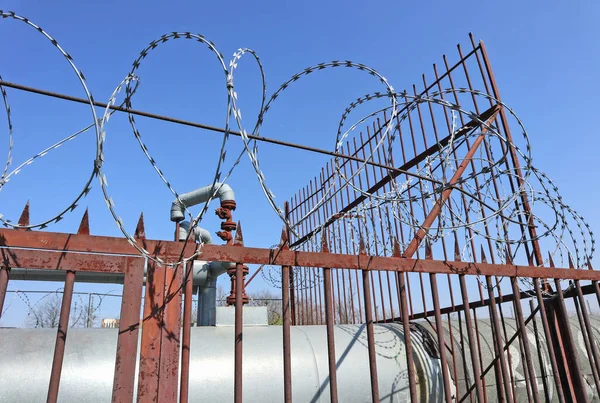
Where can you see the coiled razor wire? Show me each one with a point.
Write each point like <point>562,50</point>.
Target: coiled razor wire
<point>484,187</point>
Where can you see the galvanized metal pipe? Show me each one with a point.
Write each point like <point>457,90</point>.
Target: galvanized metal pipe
<point>90,360</point>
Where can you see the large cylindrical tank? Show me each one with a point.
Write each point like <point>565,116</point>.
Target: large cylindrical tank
<point>87,376</point>
<point>540,357</point>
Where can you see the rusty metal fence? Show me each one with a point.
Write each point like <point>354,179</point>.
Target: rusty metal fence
<point>472,277</point>
<point>457,328</point>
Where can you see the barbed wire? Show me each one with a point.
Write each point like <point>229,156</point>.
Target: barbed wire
<point>479,197</point>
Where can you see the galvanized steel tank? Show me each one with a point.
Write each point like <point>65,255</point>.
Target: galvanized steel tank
<point>540,357</point>
<point>87,376</point>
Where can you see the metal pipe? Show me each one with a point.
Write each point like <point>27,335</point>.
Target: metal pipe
<point>221,190</point>
<point>200,234</point>
<point>90,360</point>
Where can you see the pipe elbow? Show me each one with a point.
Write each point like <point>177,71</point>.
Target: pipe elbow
<point>200,234</point>
<point>217,268</point>
<point>224,193</point>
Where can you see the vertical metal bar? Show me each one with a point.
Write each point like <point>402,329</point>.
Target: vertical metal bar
<point>302,271</point>
<point>435,132</point>
<point>360,186</point>
<point>525,340</point>
<point>453,350</point>
<point>317,280</point>
<point>549,343</point>
<point>149,368</point>
<point>129,324</point>
<point>568,341</point>
<point>423,204</point>
<point>524,362</point>
<point>61,338</point>
<point>370,332</point>
<point>338,247</point>
<point>498,341</point>
<point>464,358</point>
<point>471,336</point>
<point>381,295</point>
<point>538,346</point>
<point>311,285</point>
<point>4,276</point>
<point>478,342</point>
<point>187,328</point>
<point>330,334</point>
<point>347,249</point>
<point>286,311</point>
<point>239,305</point>
<point>292,289</point>
<point>316,304</point>
<point>351,164</point>
<point>387,214</point>
<point>504,332</point>
<point>333,395</point>
<point>436,209</point>
<point>515,160</point>
<point>440,334</point>
<point>170,335</point>
<point>588,335</point>
<point>406,327</point>
<point>334,209</point>
<point>406,285</point>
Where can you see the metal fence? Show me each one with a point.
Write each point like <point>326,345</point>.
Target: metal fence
<point>445,251</point>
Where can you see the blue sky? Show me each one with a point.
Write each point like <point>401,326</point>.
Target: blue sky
<point>545,57</point>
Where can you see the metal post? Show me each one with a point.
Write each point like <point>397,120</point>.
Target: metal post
<point>239,305</point>
<point>61,338</point>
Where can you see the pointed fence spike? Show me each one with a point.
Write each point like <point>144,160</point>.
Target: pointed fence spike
<point>284,244</point>
<point>24,219</point>
<point>324,247</point>
<point>84,225</point>
<point>456,251</point>
<point>571,265</point>
<point>397,252</point>
<point>550,261</point>
<point>239,237</point>
<point>361,246</point>
<point>530,258</point>
<point>483,258</point>
<point>589,263</point>
<point>509,259</point>
<point>140,230</point>
<point>428,251</point>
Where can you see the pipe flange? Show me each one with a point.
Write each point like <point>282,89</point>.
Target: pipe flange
<point>224,213</point>
<point>228,204</point>
<point>231,299</point>
<point>228,226</point>
<point>231,271</point>
<point>225,236</point>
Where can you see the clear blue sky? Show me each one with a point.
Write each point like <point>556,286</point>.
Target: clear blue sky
<point>545,56</point>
